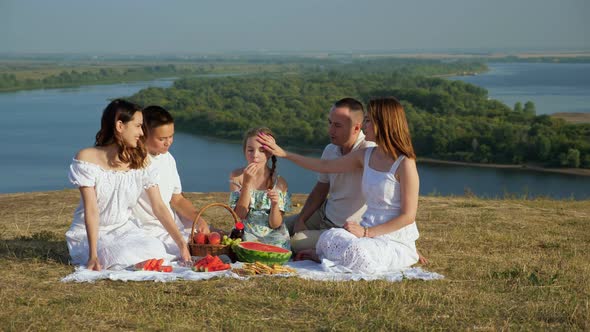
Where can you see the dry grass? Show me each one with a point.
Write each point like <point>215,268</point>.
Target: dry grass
<point>509,264</point>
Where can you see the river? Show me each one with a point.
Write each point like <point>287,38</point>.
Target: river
<point>41,130</point>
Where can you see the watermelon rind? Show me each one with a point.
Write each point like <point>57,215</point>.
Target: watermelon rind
<point>266,257</point>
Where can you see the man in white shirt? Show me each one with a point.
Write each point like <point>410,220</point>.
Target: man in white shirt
<point>159,127</point>
<point>336,198</point>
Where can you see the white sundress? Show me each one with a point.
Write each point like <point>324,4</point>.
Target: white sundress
<point>393,251</point>
<point>120,242</point>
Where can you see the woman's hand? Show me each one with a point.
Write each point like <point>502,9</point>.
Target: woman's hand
<point>93,264</point>
<point>202,226</point>
<point>273,195</point>
<point>269,144</point>
<point>250,173</point>
<point>184,253</point>
<point>354,228</point>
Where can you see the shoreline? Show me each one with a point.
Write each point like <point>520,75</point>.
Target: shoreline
<point>573,117</point>
<point>525,167</point>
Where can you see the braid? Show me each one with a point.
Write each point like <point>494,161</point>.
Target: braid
<point>272,170</point>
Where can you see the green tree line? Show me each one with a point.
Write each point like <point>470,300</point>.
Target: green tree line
<point>68,78</point>
<point>449,120</point>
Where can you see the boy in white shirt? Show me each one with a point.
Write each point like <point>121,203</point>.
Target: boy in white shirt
<point>159,132</point>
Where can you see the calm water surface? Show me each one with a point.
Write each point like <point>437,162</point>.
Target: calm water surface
<point>552,87</point>
<point>41,131</point>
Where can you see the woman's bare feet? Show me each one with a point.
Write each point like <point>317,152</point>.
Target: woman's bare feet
<point>307,254</point>
<point>421,259</point>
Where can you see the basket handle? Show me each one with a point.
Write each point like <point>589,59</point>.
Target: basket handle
<point>229,209</point>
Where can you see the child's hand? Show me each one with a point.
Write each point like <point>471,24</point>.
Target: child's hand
<point>273,195</point>
<point>250,172</point>
<point>269,144</point>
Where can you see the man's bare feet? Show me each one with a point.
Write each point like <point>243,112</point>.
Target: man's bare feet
<point>307,254</point>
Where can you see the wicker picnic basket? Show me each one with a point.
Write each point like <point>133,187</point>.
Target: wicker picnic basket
<point>211,249</point>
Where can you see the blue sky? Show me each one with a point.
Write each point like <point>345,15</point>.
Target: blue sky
<point>192,26</point>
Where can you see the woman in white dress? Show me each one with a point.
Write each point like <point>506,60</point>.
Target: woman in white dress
<point>385,238</point>
<point>111,176</point>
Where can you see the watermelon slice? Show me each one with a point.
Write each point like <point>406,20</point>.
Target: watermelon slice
<point>147,265</point>
<point>210,264</point>
<point>259,252</point>
<point>165,268</point>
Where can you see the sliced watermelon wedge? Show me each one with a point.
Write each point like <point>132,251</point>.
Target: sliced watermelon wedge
<point>260,252</point>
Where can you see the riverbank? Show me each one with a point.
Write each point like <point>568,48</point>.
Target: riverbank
<point>526,167</point>
<point>550,57</point>
<point>508,264</point>
<point>34,75</point>
<point>571,117</point>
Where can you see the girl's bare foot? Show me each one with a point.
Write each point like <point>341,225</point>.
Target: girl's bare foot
<point>307,254</point>
<point>421,259</point>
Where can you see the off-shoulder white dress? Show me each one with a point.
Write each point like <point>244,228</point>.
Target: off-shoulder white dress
<point>120,242</point>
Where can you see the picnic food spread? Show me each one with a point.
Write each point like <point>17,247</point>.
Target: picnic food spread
<point>152,264</point>
<point>227,241</point>
<point>238,231</point>
<point>265,258</point>
<point>259,268</point>
<point>210,264</point>
<point>259,252</point>
<point>211,238</point>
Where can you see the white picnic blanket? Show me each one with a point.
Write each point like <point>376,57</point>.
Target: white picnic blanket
<point>305,269</point>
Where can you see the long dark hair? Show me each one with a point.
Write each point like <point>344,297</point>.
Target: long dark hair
<point>121,110</point>
<point>253,133</point>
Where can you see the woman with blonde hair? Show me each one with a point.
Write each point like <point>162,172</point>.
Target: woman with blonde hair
<point>385,238</point>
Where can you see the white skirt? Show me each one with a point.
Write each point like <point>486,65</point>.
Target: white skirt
<point>385,253</point>
<point>118,248</point>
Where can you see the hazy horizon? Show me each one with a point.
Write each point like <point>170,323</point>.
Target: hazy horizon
<point>180,27</point>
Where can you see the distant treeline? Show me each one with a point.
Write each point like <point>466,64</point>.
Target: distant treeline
<point>68,78</point>
<point>449,120</point>
<point>544,59</point>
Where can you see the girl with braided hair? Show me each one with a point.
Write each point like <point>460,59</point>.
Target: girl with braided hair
<point>259,195</point>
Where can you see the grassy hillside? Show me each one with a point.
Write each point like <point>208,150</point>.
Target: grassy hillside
<point>517,264</point>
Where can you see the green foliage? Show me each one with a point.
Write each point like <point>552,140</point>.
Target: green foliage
<point>449,120</point>
<point>573,158</point>
<point>529,108</point>
<point>67,78</point>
